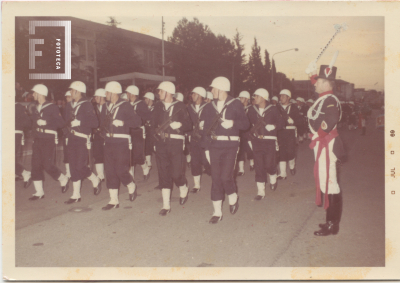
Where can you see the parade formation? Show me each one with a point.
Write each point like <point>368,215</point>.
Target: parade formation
<point>106,136</point>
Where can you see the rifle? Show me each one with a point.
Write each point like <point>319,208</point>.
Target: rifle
<point>34,114</point>
<point>258,125</point>
<point>210,133</point>
<point>159,133</point>
<point>196,131</point>
<point>105,125</point>
<point>67,128</point>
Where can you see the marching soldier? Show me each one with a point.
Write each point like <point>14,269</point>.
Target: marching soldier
<point>82,119</point>
<point>244,148</point>
<point>186,151</point>
<point>302,130</point>
<point>170,123</point>
<point>139,134</point>
<point>98,139</point>
<point>22,122</point>
<point>46,120</point>
<point>66,109</point>
<point>274,100</point>
<point>323,117</point>
<point>224,118</point>
<point>148,143</point>
<point>287,135</point>
<point>196,150</point>
<point>266,121</point>
<point>115,126</point>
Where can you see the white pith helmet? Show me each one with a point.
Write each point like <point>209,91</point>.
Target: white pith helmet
<point>79,86</point>
<point>113,87</point>
<point>286,92</point>
<point>301,99</point>
<point>101,92</point>
<point>200,91</point>
<point>275,98</point>
<point>310,100</point>
<point>149,95</point>
<point>221,83</point>
<point>168,87</point>
<point>41,89</point>
<point>124,96</point>
<point>263,93</point>
<point>244,94</point>
<point>179,96</point>
<point>132,89</point>
<point>68,93</point>
<point>210,95</point>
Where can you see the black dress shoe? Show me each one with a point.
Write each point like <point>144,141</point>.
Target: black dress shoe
<point>323,225</point>
<point>133,196</point>
<point>235,207</point>
<point>164,212</point>
<point>251,167</point>
<point>182,201</point>
<point>195,190</point>
<point>273,186</point>
<point>97,190</point>
<point>293,171</point>
<point>110,206</point>
<point>146,177</point>
<point>71,200</point>
<point>36,197</point>
<point>330,229</point>
<point>258,197</point>
<point>27,183</point>
<point>215,219</point>
<point>240,173</point>
<point>281,178</point>
<point>66,187</point>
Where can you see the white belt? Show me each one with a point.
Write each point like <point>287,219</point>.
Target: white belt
<point>23,136</point>
<point>292,128</point>
<point>46,131</point>
<point>267,137</point>
<point>178,137</point>
<point>87,137</point>
<point>123,136</point>
<point>226,138</point>
<point>144,132</point>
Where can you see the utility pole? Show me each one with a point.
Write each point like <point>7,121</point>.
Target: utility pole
<point>233,79</point>
<point>95,63</point>
<point>162,31</point>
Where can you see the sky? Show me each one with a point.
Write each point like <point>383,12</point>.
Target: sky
<point>361,46</point>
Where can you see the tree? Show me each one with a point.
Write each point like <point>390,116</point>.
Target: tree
<point>267,70</point>
<point>240,71</point>
<point>198,55</point>
<point>256,77</point>
<point>115,52</point>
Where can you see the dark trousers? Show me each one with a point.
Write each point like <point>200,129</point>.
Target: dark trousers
<point>78,156</point>
<point>334,211</point>
<point>244,149</point>
<point>287,145</point>
<point>264,159</point>
<point>223,162</point>
<point>187,146</point>
<point>117,164</point>
<point>18,167</point>
<point>138,156</point>
<point>171,164</point>
<point>43,151</point>
<point>148,144</point>
<point>98,150</point>
<point>198,159</point>
<point>64,141</point>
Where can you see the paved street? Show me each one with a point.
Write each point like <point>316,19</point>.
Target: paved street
<point>274,232</point>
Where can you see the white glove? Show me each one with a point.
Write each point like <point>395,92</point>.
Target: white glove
<point>270,127</point>
<point>208,156</point>
<point>175,125</point>
<point>201,125</point>
<point>312,67</point>
<point>75,123</point>
<point>290,120</point>
<point>118,123</point>
<point>41,122</point>
<point>154,148</point>
<point>227,124</point>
